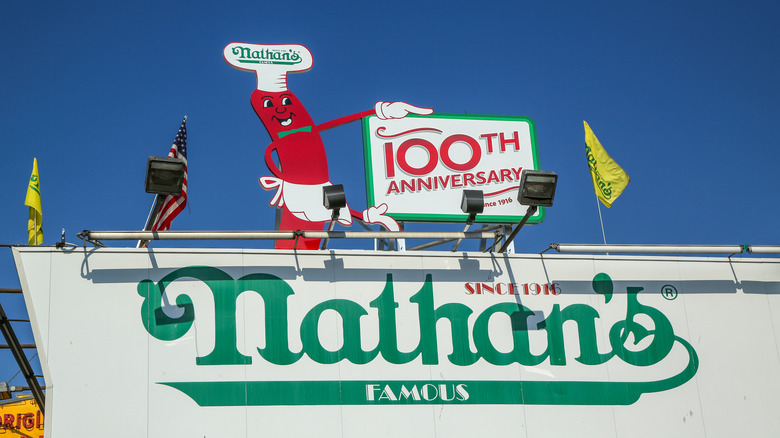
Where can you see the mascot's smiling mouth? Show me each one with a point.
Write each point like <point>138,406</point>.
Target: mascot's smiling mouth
<point>285,122</point>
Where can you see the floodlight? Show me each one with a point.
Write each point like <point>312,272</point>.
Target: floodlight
<point>334,198</point>
<point>164,175</point>
<point>537,188</point>
<point>472,203</point>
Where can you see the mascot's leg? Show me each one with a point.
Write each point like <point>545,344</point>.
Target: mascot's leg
<point>292,223</point>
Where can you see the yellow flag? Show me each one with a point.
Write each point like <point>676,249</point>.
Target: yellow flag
<point>33,200</point>
<point>609,179</point>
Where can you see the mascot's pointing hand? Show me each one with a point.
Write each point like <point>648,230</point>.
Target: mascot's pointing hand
<point>398,110</point>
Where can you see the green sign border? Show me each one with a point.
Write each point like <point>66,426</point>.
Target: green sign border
<point>458,218</point>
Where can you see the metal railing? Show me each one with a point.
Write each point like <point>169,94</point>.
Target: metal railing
<point>494,233</point>
<point>664,249</point>
<point>99,236</point>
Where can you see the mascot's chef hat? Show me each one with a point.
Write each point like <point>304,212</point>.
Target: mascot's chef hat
<point>271,62</point>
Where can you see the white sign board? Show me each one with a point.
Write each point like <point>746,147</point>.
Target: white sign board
<point>419,166</point>
<point>253,343</point>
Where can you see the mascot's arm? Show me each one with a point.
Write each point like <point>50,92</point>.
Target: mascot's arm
<point>383,110</point>
<point>269,161</point>
<point>344,120</point>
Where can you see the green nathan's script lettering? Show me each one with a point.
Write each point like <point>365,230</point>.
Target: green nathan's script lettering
<point>275,293</point>
<point>266,56</point>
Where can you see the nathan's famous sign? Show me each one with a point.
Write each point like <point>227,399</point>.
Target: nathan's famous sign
<point>417,167</point>
<point>242,342</point>
<point>657,342</point>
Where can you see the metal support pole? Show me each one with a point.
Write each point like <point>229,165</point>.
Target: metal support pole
<point>482,230</point>
<point>330,228</point>
<point>457,242</point>
<point>528,213</point>
<point>21,359</point>
<point>156,206</point>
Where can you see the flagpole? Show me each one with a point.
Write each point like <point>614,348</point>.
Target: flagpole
<point>604,172</point>
<point>178,151</point>
<point>598,205</point>
<point>152,214</point>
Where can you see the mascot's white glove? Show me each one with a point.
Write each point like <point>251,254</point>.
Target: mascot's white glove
<point>376,215</point>
<point>398,110</point>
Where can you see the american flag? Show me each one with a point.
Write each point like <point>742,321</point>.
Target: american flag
<point>172,205</point>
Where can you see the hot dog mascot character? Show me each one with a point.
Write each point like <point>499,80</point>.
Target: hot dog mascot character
<point>302,169</point>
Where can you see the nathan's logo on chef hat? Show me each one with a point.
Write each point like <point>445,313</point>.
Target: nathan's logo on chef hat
<point>271,62</point>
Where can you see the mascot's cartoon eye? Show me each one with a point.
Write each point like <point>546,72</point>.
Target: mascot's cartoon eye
<point>286,101</point>
<point>267,103</point>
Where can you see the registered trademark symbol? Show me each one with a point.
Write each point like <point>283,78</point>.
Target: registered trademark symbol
<point>669,292</point>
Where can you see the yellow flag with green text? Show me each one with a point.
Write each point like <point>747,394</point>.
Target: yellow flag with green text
<point>33,200</point>
<point>609,179</point>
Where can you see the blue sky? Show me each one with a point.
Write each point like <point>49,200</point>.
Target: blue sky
<point>683,95</point>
